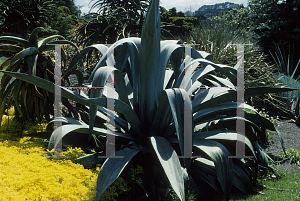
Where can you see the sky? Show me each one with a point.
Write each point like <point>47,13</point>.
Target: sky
<point>180,5</point>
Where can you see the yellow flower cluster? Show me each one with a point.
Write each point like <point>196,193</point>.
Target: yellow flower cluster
<point>25,172</point>
<point>31,175</point>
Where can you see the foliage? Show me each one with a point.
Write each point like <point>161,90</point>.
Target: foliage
<point>217,37</point>
<point>286,76</point>
<point>153,113</point>
<point>237,18</point>
<point>21,17</point>
<point>113,20</point>
<point>275,21</point>
<point>70,4</point>
<point>30,102</point>
<point>63,21</point>
<point>176,23</point>
<point>265,114</point>
<point>293,155</point>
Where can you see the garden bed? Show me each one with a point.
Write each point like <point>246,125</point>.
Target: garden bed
<point>291,136</point>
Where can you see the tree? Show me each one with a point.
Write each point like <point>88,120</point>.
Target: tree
<point>173,12</point>
<point>114,19</point>
<point>277,22</point>
<point>20,17</point>
<point>73,9</point>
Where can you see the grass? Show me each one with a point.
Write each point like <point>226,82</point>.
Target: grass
<point>284,188</point>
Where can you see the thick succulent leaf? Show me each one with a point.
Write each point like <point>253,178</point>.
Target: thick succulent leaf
<point>67,120</point>
<point>185,76</point>
<point>112,168</point>
<point>149,62</point>
<point>99,81</point>
<point>121,56</point>
<point>31,62</point>
<point>166,54</point>
<point>91,159</point>
<point>222,81</point>
<point>4,94</point>
<point>60,134</point>
<point>10,48</point>
<point>16,94</point>
<point>179,102</point>
<point>107,57</point>
<point>33,38</point>
<point>220,108</point>
<point>261,155</point>
<point>241,180</point>
<point>48,39</point>
<point>175,61</point>
<point>223,136</point>
<point>211,83</point>
<point>24,53</point>
<point>250,92</point>
<point>218,67</point>
<point>120,106</point>
<point>206,165</point>
<point>168,78</point>
<point>259,120</point>
<point>22,41</point>
<point>204,178</point>
<point>195,87</point>
<point>100,47</point>
<point>205,98</point>
<point>163,113</point>
<point>170,163</point>
<point>223,164</point>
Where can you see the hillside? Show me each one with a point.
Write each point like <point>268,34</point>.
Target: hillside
<point>213,10</point>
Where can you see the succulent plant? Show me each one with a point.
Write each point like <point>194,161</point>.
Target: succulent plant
<point>151,121</point>
<point>30,56</point>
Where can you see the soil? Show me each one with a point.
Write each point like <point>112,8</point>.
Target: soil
<point>291,136</point>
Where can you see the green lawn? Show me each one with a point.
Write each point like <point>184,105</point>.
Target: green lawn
<point>286,187</point>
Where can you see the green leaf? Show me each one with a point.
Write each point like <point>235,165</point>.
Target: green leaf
<point>250,92</point>
<point>112,168</point>
<point>223,165</point>
<point>241,180</point>
<point>33,39</point>
<point>91,159</point>
<point>149,62</point>
<point>22,41</point>
<point>48,39</point>
<point>61,134</point>
<point>10,48</point>
<point>100,47</point>
<point>223,136</point>
<point>31,62</point>
<point>170,163</point>
<point>24,53</point>
<point>220,108</point>
<point>120,107</point>
<point>99,80</point>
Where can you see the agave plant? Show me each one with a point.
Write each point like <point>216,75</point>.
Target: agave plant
<point>30,102</point>
<point>151,122</point>
<point>217,36</point>
<point>286,75</point>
